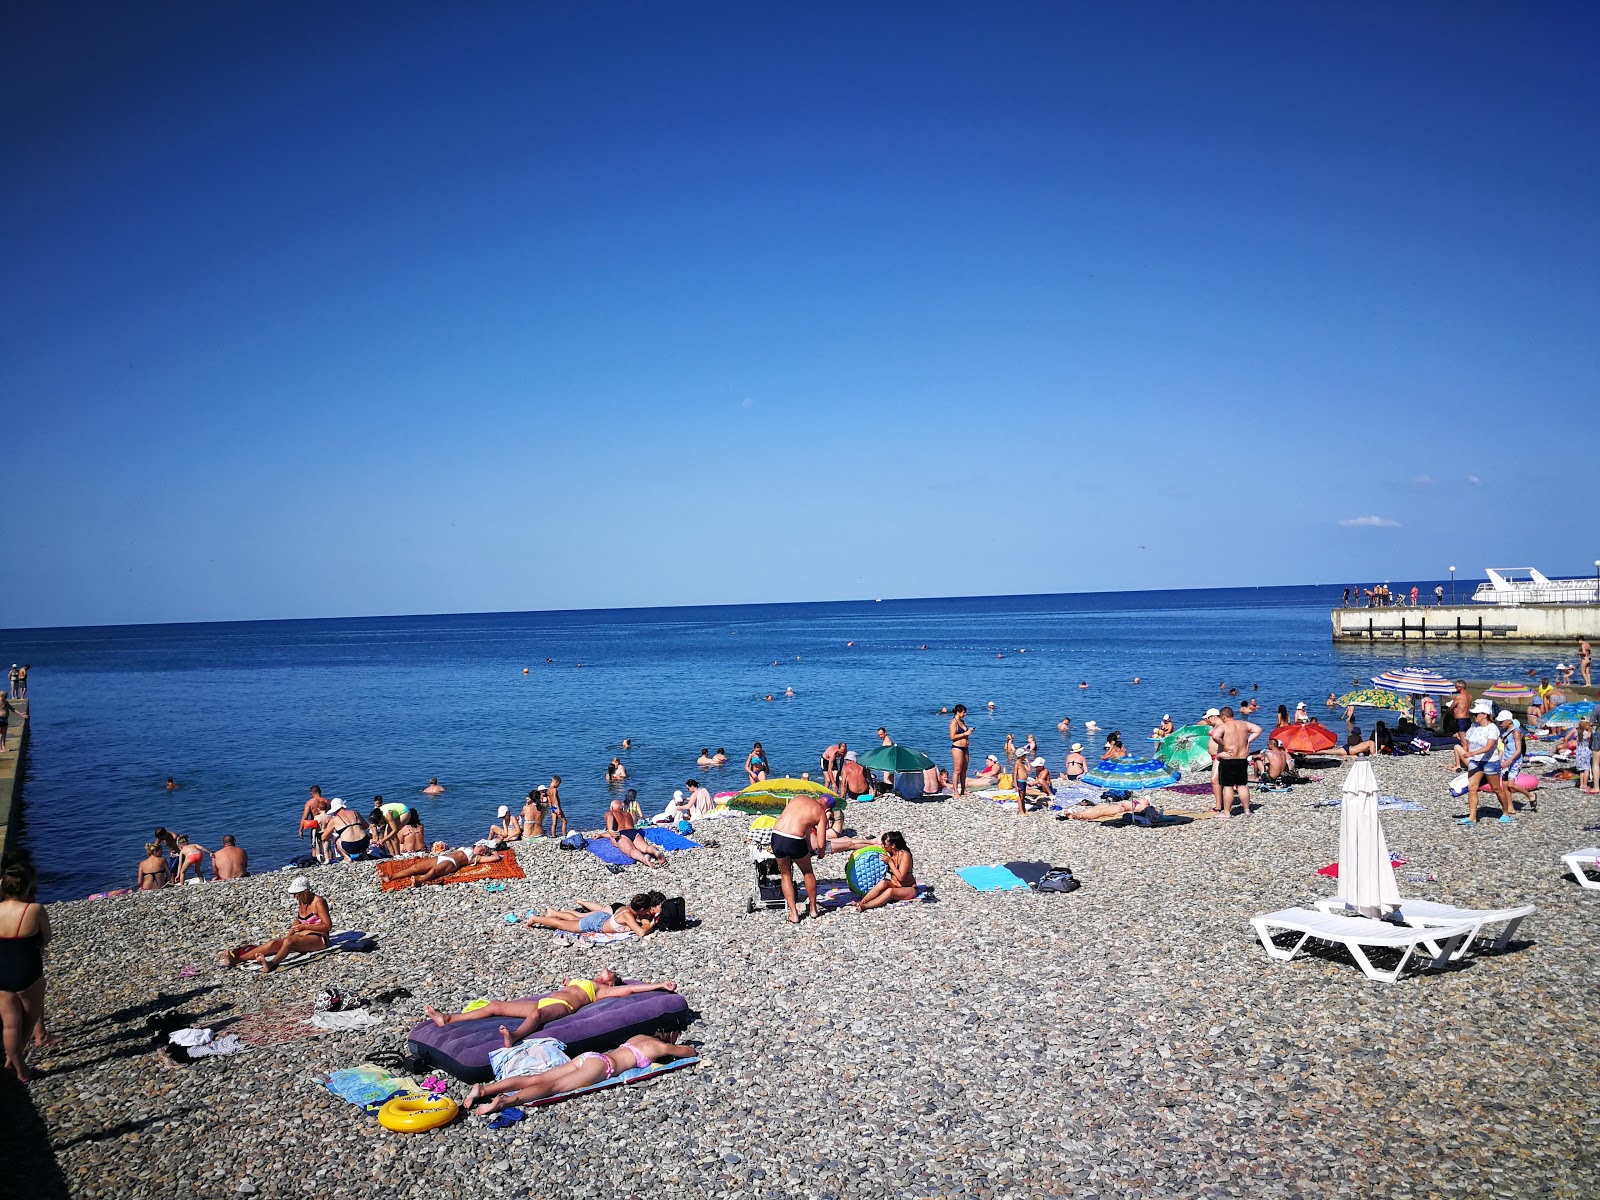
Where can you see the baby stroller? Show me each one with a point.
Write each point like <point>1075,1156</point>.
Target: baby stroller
<point>769,891</point>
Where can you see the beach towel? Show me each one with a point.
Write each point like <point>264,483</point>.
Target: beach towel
<point>351,941</point>
<point>991,879</point>
<point>608,853</point>
<point>369,1088</point>
<point>1190,789</point>
<point>631,1075</point>
<point>1070,794</point>
<point>272,1026</point>
<point>671,839</point>
<point>592,939</point>
<point>505,868</point>
<point>839,895</point>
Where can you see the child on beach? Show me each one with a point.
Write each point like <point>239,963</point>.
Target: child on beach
<point>901,883</point>
<point>552,803</point>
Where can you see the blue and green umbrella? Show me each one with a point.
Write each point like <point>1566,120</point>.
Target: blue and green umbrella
<point>1131,775</point>
<point>1568,714</point>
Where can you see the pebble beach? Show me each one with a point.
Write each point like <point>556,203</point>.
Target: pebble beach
<point>1130,1039</point>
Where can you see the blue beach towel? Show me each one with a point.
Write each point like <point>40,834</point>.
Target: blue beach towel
<point>991,879</point>
<point>669,839</point>
<point>607,852</point>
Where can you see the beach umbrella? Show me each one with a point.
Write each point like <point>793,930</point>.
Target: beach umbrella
<point>1569,714</point>
<point>1416,681</point>
<point>1131,775</point>
<point>1508,691</point>
<point>771,795</point>
<point>1187,748</point>
<point>865,869</point>
<point>1374,698</point>
<point>896,759</point>
<point>1366,873</point>
<point>1309,738</point>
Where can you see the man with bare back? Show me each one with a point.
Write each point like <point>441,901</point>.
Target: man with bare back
<point>802,831</point>
<point>1230,746</point>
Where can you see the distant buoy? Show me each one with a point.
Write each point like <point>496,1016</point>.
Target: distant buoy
<point>524,670</point>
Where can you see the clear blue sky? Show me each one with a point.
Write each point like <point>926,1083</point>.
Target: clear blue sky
<point>370,308</point>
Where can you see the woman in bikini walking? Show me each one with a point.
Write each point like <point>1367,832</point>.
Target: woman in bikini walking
<point>960,748</point>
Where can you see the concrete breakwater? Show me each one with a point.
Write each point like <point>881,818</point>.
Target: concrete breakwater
<point>1469,623</point>
<point>12,760</point>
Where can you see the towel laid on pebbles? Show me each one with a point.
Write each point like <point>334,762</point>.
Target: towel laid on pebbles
<point>505,868</point>
<point>840,896</point>
<point>991,879</point>
<point>592,939</point>
<point>349,942</point>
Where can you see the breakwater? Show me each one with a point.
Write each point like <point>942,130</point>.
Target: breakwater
<point>12,761</point>
<point>1551,623</point>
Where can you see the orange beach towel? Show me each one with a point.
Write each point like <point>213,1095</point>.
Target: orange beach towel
<point>505,868</point>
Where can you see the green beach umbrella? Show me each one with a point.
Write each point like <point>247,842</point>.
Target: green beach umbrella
<point>896,759</point>
<point>1375,698</point>
<point>1187,748</point>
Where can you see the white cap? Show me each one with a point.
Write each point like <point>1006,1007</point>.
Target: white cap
<point>850,756</point>
<point>991,758</point>
<point>1166,716</point>
<point>1482,706</point>
<point>335,804</point>
<point>1302,704</point>
<point>504,810</point>
<point>1505,715</point>
<point>1076,747</point>
<point>299,884</point>
<point>1213,712</point>
<point>1038,762</point>
<point>677,795</point>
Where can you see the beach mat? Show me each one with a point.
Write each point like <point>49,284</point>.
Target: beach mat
<point>352,941</point>
<point>671,839</point>
<point>608,853</point>
<point>837,894</point>
<point>990,879</point>
<point>631,1075</point>
<point>1189,789</point>
<point>506,868</point>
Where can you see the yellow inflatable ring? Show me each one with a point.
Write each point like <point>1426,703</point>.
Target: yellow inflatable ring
<point>416,1114</point>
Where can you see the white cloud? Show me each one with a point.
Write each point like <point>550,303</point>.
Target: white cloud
<point>1423,480</point>
<point>1473,481</point>
<point>1371,523</point>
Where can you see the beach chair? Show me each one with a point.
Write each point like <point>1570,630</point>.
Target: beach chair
<point>1577,860</point>
<point>1358,935</point>
<point>1430,914</point>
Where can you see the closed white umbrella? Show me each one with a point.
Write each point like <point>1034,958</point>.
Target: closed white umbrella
<point>1366,876</point>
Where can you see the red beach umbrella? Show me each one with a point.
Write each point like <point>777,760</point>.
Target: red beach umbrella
<point>1309,738</point>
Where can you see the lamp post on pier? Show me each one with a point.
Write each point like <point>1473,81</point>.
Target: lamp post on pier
<point>1453,586</point>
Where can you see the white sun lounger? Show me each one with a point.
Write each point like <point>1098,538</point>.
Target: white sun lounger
<point>1577,860</point>
<point>1429,914</point>
<point>1357,934</point>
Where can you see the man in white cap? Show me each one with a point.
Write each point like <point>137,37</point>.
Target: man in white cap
<point>508,828</point>
<point>853,778</point>
<point>1076,766</point>
<point>307,934</point>
<point>1482,755</point>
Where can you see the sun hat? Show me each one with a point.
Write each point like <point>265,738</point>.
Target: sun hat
<point>1482,706</point>
<point>335,804</point>
<point>1213,712</point>
<point>1504,715</point>
<point>1076,747</point>
<point>299,884</point>
<point>677,795</point>
<point>1302,704</point>
<point>1166,716</point>
<point>850,756</point>
<point>1038,762</point>
<point>504,810</point>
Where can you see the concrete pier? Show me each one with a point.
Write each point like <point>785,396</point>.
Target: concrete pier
<point>11,764</point>
<point>1546,623</point>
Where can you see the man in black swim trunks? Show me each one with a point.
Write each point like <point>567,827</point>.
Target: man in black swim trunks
<point>802,831</point>
<point>1230,746</point>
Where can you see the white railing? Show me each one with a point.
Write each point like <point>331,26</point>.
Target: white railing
<point>1554,591</point>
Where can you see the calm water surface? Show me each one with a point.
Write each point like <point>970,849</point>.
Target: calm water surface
<point>246,716</point>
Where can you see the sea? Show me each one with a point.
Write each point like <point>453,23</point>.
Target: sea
<point>246,716</point>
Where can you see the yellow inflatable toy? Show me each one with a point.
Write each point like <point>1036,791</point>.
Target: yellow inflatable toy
<point>417,1114</point>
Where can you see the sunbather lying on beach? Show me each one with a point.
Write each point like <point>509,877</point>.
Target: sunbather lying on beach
<point>581,1072</point>
<point>901,883</point>
<point>307,933</point>
<point>444,862</point>
<point>1096,812</point>
<point>572,995</point>
<point>638,916</point>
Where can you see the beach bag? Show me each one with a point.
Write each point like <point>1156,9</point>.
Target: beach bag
<point>1458,785</point>
<point>673,914</point>
<point>1421,745</point>
<point>574,841</point>
<point>684,827</point>
<point>1006,782</point>
<point>1057,879</point>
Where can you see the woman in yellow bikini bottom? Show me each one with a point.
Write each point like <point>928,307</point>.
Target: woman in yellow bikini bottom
<point>566,1000</point>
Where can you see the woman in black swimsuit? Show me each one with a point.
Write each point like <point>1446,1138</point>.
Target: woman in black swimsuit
<point>960,748</point>
<point>346,831</point>
<point>153,870</point>
<point>24,933</point>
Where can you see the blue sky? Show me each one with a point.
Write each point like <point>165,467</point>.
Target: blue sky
<point>314,310</point>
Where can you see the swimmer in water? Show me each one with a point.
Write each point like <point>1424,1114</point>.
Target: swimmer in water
<point>705,759</point>
<point>434,788</point>
<point>720,758</point>
<point>172,784</point>
<point>615,770</point>
<point>788,691</point>
<point>627,743</point>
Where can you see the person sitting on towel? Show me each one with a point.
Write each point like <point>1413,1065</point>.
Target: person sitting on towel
<point>307,934</point>
<point>620,832</point>
<point>444,862</point>
<point>508,828</point>
<point>584,1071</point>
<point>988,777</point>
<point>900,884</point>
<point>572,995</point>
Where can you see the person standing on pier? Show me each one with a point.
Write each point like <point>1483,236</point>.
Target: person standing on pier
<point>11,679</point>
<point>5,719</point>
<point>21,691</point>
<point>1438,595</point>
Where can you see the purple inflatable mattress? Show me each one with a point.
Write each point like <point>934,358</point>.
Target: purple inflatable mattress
<point>462,1047</point>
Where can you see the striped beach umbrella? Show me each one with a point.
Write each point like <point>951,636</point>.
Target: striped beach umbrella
<point>771,795</point>
<point>1375,698</point>
<point>1508,691</point>
<point>1415,681</point>
<point>1131,775</point>
<point>1187,748</point>
<point>1568,714</point>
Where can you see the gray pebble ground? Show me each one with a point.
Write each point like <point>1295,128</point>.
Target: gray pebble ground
<point>1128,1040</point>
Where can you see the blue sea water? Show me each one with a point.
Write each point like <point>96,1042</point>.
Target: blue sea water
<point>246,716</point>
